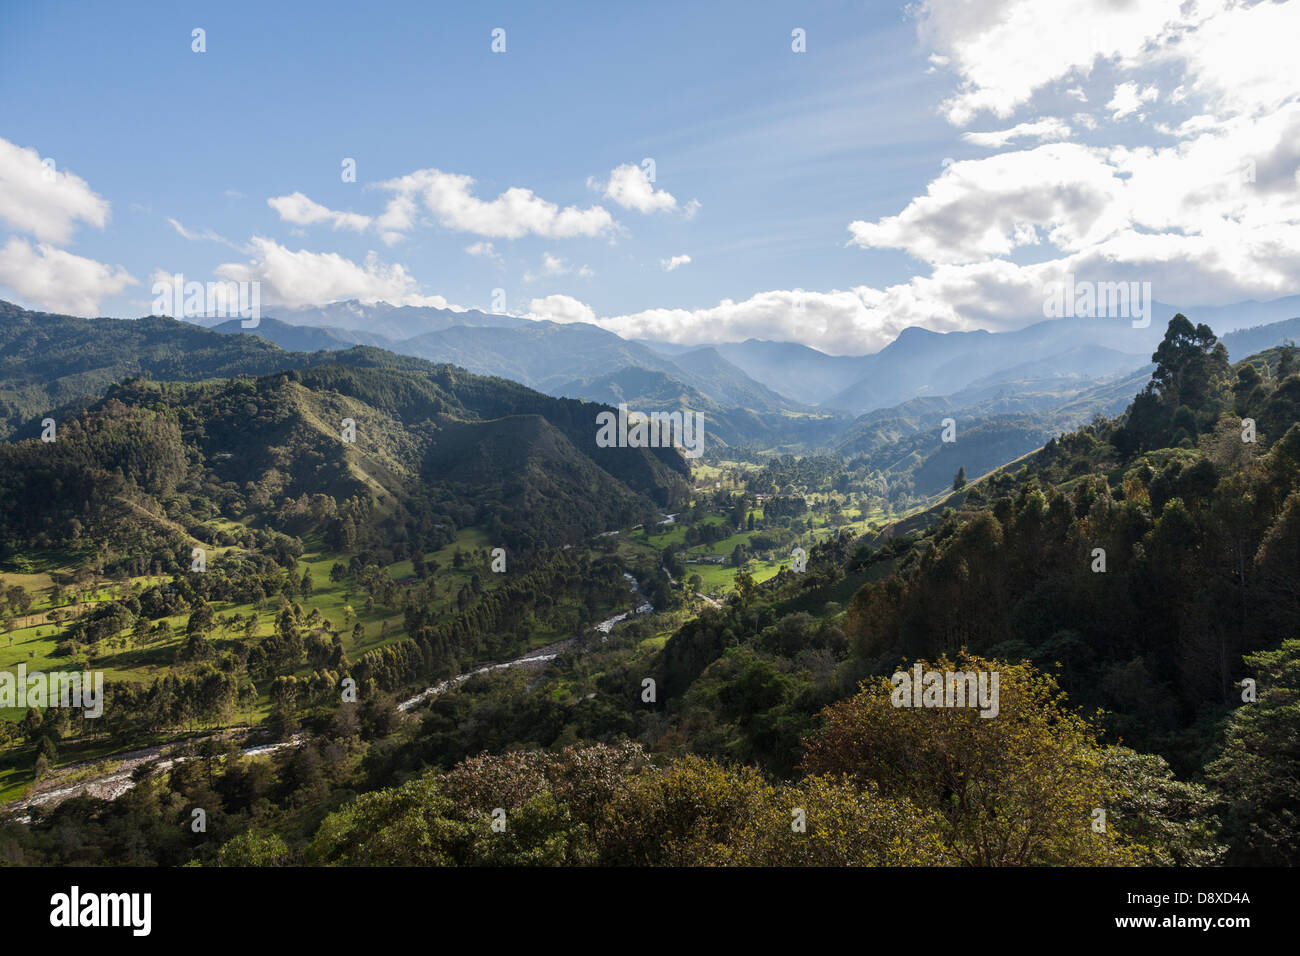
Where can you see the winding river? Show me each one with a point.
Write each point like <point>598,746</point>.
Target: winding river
<point>114,783</point>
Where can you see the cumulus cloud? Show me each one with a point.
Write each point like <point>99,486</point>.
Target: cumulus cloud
<point>41,199</point>
<point>561,308</point>
<point>982,208</point>
<point>57,280</point>
<point>1003,51</point>
<point>1234,178</point>
<point>515,213</point>
<point>841,322</point>
<point>1128,98</point>
<point>303,278</point>
<point>1239,57</point>
<point>630,187</point>
<point>994,294</point>
<point>668,265</point>
<point>1050,128</point>
<point>302,211</point>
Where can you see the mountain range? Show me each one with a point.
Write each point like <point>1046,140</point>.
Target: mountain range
<point>761,376</point>
<point>1009,391</point>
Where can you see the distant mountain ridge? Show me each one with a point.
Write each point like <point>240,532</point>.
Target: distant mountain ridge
<point>556,358</point>
<point>1258,338</point>
<point>765,376</point>
<point>1051,363</point>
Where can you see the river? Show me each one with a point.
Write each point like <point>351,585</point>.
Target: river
<point>111,785</point>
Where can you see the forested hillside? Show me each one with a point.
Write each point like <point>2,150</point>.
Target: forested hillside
<point>1132,582</point>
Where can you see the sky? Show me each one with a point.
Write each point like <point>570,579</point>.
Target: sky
<point>820,172</point>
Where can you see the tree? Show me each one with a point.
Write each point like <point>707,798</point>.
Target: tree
<point>201,620</point>
<point>1018,789</point>
<point>1171,821</point>
<point>1184,363</point>
<point>31,723</point>
<point>959,481</point>
<point>745,587</point>
<point>1256,772</point>
<point>844,825</point>
<point>21,601</point>
<point>687,816</point>
<point>254,849</point>
<point>196,647</point>
<point>282,721</point>
<point>1286,363</point>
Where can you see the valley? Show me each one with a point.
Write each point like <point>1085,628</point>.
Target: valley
<point>288,615</point>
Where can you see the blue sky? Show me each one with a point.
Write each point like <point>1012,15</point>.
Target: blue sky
<point>832,197</point>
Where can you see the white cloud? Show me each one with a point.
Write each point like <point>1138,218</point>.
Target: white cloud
<point>303,278</point>
<point>1050,128</point>
<point>202,235</point>
<point>1238,57</point>
<point>193,236</point>
<point>978,209</point>
<point>556,266</point>
<point>516,212</point>
<point>59,281</point>
<point>1128,98</point>
<point>485,250</point>
<point>631,188</point>
<point>45,202</point>
<point>1212,219</point>
<point>398,218</point>
<point>841,322</point>
<point>301,211</point>
<point>994,294</point>
<point>675,262</point>
<point>1003,51</point>
<point>1241,58</point>
<point>560,308</point>
<point>1078,198</point>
